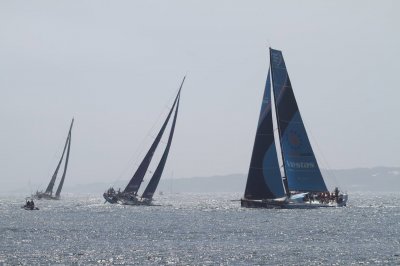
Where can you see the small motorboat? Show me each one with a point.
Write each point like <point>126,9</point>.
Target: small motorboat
<point>30,206</point>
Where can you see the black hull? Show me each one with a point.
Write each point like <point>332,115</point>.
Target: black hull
<point>41,196</point>
<point>134,201</point>
<point>137,203</point>
<point>261,204</point>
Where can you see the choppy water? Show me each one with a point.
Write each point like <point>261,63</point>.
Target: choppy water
<point>199,229</point>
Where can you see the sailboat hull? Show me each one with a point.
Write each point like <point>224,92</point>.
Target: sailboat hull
<point>42,195</point>
<point>110,199</point>
<point>265,204</point>
<point>288,204</point>
<point>123,198</point>
<point>134,201</point>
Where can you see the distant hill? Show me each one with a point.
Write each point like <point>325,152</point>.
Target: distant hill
<point>382,179</point>
<point>378,179</point>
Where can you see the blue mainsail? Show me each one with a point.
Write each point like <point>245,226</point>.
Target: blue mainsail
<point>264,180</point>
<point>301,166</point>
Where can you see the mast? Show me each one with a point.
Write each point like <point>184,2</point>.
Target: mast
<point>49,189</point>
<point>65,168</point>
<point>136,180</point>
<point>155,179</point>
<point>284,178</point>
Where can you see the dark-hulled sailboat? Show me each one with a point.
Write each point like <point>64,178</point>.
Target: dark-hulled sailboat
<point>129,196</point>
<point>301,185</point>
<point>48,194</point>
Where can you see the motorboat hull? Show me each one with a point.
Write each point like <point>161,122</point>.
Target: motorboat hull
<point>28,208</point>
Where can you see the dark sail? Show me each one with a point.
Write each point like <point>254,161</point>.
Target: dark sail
<point>300,164</point>
<point>49,189</point>
<point>264,180</point>
<point>152,186</point>
<point>65,168</point>
<point>136,180</point>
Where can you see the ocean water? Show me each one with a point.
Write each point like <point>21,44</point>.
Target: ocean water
<point>199,229</point>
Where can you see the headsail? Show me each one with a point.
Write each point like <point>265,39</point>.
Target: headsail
<point>264,179</point>
<point>152,186</point>
<point>49,189</point>
<point>300,164</point>
<point>65,168</point>
<point>136,180</point>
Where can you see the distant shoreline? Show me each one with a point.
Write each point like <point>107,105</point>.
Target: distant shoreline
<point>376,179</point>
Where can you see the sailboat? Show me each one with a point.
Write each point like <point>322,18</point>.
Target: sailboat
<point>129,196</point>
<point>300,184</point>
<point>48,194</point>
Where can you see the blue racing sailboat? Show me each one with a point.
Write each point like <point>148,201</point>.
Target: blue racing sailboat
<point>129,196</point>
<point>301,184</point>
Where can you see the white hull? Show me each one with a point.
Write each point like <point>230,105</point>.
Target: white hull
<point>291,204</point>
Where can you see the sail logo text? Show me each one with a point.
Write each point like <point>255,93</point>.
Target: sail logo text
<point>301,165</point>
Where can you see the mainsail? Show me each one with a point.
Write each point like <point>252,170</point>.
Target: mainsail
<point>264,179</point>
<point>301,167</point>
<point>152,186</point>
<point>137,179</point>
<point>49,189</point>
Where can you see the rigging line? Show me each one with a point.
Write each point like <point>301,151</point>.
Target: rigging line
<point>30,187</point>
<point>138,153</point>
<point>324,160</point>
<point>139,150</point>
<point>166,109</point>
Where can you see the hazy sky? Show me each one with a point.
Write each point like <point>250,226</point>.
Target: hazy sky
<point>116,66</point>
